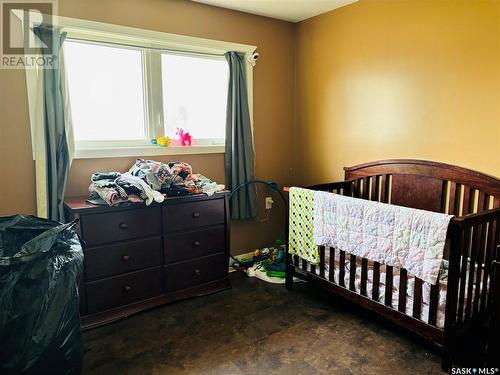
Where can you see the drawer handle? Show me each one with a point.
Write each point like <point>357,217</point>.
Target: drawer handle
<point>196,243</point>
<point>126,258</point>
<point>123,226</point>
<point>127,288</point>
<point>196,215</point>
<point>197,272</point>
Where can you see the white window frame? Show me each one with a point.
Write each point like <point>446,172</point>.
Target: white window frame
<point>157,42</point>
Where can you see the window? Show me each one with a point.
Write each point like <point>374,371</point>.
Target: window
<point>195,95</point>
<point>106,92</point>
<point>123,96</point>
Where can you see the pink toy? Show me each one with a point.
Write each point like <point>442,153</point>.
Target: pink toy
<point>184,137</point>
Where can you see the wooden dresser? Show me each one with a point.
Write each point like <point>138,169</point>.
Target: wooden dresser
<point>138,257</point>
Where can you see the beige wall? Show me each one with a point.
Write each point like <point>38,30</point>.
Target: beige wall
<point>398,79</point>
<point>273,103</point>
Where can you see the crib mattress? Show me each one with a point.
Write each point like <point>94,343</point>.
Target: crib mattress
<point>426,287</point>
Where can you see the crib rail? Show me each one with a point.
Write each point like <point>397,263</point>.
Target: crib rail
<point>475,238</point>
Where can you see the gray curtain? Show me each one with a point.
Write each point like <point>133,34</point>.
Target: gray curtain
<point>239,156</point>
<point>57,151</point>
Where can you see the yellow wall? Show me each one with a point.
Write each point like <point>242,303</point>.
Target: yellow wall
<point>273,103</point>
<point>398,79</point>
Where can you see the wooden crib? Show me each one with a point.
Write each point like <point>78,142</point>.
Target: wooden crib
<point>472,197</point>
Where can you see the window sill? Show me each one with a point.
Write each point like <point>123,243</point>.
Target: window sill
<point>95,153</point>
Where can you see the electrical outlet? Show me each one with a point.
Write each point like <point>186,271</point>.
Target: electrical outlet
<point>269,203</point>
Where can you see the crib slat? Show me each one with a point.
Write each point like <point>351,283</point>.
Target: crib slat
<point>470,201</point>
<point>388,286</point>
<point>312,267</point>
<point>331,271</point>
<point>444,195</point>
<point>480,268</point>
<point>304,265</point>
<point>466,196</point>
<point>376,281</point>
<point>377,181</point>
<point>496,202</point>
<point>417,299</point>
<point>322,262</point>
<point>356,188</point>
<point>490,251</point>
<point>472,269</point>
<point>366,188</point>
<point>364,275</point>
<point>403,284</point>
<point>383,188</point>
<point>352,272</point>
<point>463,272</point>
<point>481,202</point>
<point>295,260</point>
<point>342,268</point>
<point>433,303</point>
<point>453,201</point>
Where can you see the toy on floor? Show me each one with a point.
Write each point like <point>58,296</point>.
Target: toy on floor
<point>267,264</point>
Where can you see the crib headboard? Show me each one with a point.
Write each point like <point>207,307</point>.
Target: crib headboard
<point>424,184</point>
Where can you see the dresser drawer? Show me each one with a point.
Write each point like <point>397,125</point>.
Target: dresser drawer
<point>122,290</point>
<point>194,244</point>
<point>109,260</point>
<point>193,214</point>
<point>202,270</point>
<point>122,225</point>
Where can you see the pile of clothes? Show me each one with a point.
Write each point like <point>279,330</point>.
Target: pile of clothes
<point>149,181</point>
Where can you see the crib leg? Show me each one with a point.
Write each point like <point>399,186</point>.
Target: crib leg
<point>446,362</point>
<point>289,272</point>
<point>289,280</point>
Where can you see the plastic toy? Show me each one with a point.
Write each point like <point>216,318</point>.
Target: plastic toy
<point>161,141</point>
<point>184,137</point>
<point>263,254</point>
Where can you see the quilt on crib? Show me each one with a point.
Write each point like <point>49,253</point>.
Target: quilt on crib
<point>398,236</point>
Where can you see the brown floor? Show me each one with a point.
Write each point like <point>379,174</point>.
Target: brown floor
<point>255,328</point>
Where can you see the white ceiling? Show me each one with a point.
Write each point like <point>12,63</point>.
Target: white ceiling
<point>286,10</point>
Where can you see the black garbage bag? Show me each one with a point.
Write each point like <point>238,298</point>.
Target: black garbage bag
<point>41,264</point>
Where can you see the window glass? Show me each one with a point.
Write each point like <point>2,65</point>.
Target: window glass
<point>195,95</point>
<point>105,84</point>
